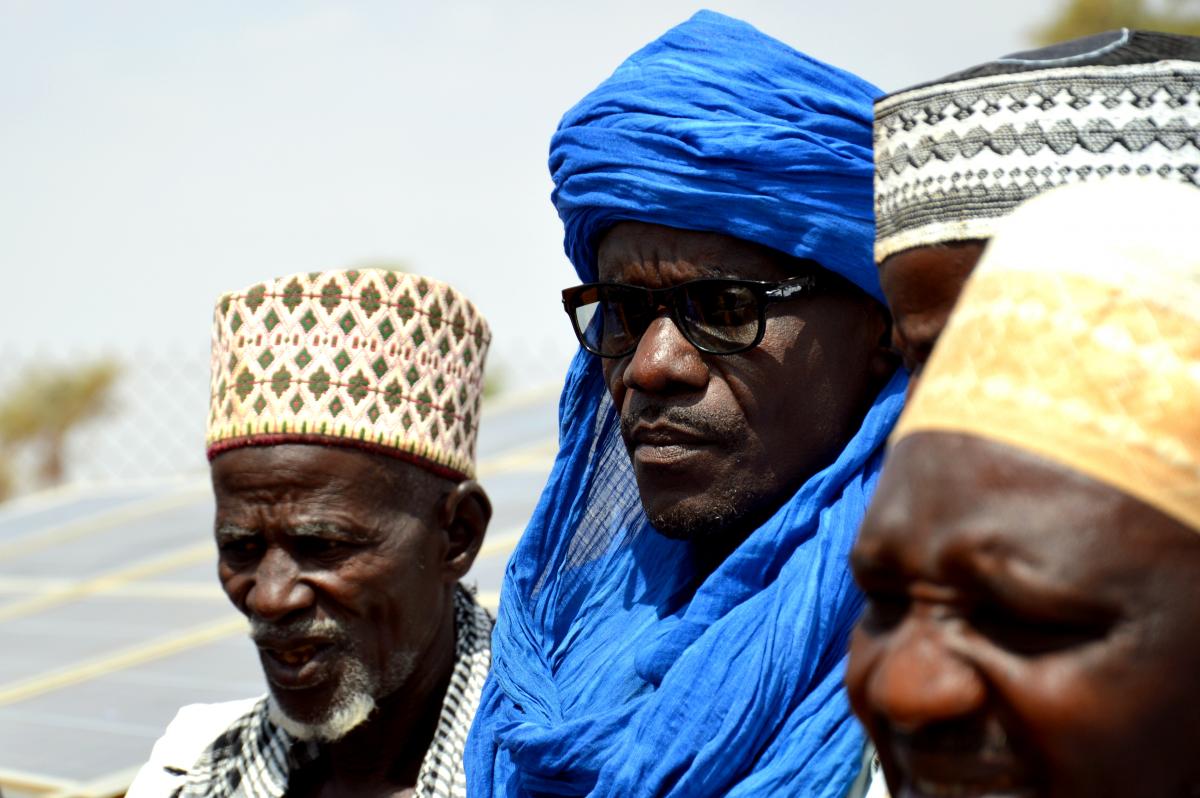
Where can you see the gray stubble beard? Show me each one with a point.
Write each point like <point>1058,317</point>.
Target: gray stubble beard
<point>355,697</point>
<point>725,507</point>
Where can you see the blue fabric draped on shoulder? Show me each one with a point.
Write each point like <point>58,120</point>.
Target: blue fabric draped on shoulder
<point>613,675</point>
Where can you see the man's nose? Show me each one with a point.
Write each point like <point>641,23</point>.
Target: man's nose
<point>665,362</point>
<point>279,589</point>
<point>919,681</point>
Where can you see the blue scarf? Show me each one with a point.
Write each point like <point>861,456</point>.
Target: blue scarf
<point>611,677</point>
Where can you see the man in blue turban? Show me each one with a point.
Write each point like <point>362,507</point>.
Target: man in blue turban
<point>675,619</point>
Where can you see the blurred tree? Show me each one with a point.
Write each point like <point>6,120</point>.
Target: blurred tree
<point>1085,17</point>
<point>495,380</point>
<point>6,480</point>
<point>43,407</point>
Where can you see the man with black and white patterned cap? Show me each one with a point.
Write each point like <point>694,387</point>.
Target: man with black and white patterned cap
<point>955,155</point>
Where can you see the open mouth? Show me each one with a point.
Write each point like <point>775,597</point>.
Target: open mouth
<point>296,657</point>
<point>973,763</point>
<point>927,788</point>
<point>978,777</point>
<point>297,667</point>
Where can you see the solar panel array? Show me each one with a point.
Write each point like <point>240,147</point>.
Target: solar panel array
<point>111,617</point>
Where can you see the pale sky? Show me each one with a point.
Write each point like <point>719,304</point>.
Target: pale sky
<point>154,154</point>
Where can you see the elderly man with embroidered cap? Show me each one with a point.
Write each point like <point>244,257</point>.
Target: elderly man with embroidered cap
<point>956,155</point>
<point>676,616</point>
<point>342,440</point>
<point>1032,558</point>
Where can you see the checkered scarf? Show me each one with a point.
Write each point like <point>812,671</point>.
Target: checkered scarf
<point>254,758</point>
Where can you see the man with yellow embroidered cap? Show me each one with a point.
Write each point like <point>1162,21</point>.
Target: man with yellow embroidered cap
<point>1032,559</point>
<point>341,436</point>
<point>956,155</point>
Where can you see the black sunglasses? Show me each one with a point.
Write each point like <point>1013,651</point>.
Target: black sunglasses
<point>717,316</point>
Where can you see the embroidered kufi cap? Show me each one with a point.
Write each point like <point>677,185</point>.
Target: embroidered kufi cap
<point>1078,338</point>
<point>953,156</point>
<point>380,360</point>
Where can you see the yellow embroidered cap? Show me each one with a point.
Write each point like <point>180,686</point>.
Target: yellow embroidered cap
<point>1078,338</point>
<point>380,360</point>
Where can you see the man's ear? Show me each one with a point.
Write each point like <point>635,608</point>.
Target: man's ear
<point>885,358</point>
<point>464,514</point>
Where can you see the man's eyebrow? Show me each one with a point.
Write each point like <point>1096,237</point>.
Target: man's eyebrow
<point>227,531</point>
<point>1011,576</point>
<point>327,529</point>
<point>880,568</point>
<point>721,271</point>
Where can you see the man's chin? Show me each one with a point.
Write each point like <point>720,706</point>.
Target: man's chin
<point>329,711</point>
<point>692,520</point>
<point>676,525</point>
<point>700,513</point>
<point>343,715</point>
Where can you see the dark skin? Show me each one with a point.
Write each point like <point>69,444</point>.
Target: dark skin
<point>320,533</point>
<point>720,442</point>
<point>1029,631</point>
<point>922,285</point>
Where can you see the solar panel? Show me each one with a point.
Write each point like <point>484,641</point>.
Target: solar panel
<point>112,617</point>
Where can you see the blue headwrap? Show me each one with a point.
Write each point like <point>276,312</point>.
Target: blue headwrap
<point>610,677</point>
<point>718,127</point>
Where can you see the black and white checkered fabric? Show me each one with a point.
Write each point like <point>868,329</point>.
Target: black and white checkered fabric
<point>254,758</point>
<point>250,758</point>
<point>954,156</point>
<point>442,770</point>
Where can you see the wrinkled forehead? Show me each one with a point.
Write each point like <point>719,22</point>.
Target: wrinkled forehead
<point>652,254</point>
<point>314,476</point>
<point>949,503</point>
<point>929,276</point>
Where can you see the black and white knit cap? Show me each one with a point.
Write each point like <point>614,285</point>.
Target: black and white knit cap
<point>954,155</point>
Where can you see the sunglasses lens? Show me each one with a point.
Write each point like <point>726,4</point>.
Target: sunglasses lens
<point>718,316</point>
<point>608,319</point>
<point>721,317</point>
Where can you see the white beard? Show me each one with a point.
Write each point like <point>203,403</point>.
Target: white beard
<point>351,705</point>
<point>343,717</point>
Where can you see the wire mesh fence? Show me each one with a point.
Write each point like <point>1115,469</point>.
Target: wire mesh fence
<point>151,425</point>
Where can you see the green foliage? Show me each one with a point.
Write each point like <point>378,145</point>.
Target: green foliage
<point>43,407</point>
<point>495,380</point>
<point>1085,17</point>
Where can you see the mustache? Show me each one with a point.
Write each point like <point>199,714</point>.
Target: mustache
<point>704,423</point>
<point>264,633</point>
<point>986,738</point>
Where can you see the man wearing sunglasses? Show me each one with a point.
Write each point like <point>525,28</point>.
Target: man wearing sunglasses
<point>676,617</point>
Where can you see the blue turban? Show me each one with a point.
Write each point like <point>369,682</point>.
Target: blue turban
<point>613,674</point>
<point>718,127</point>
